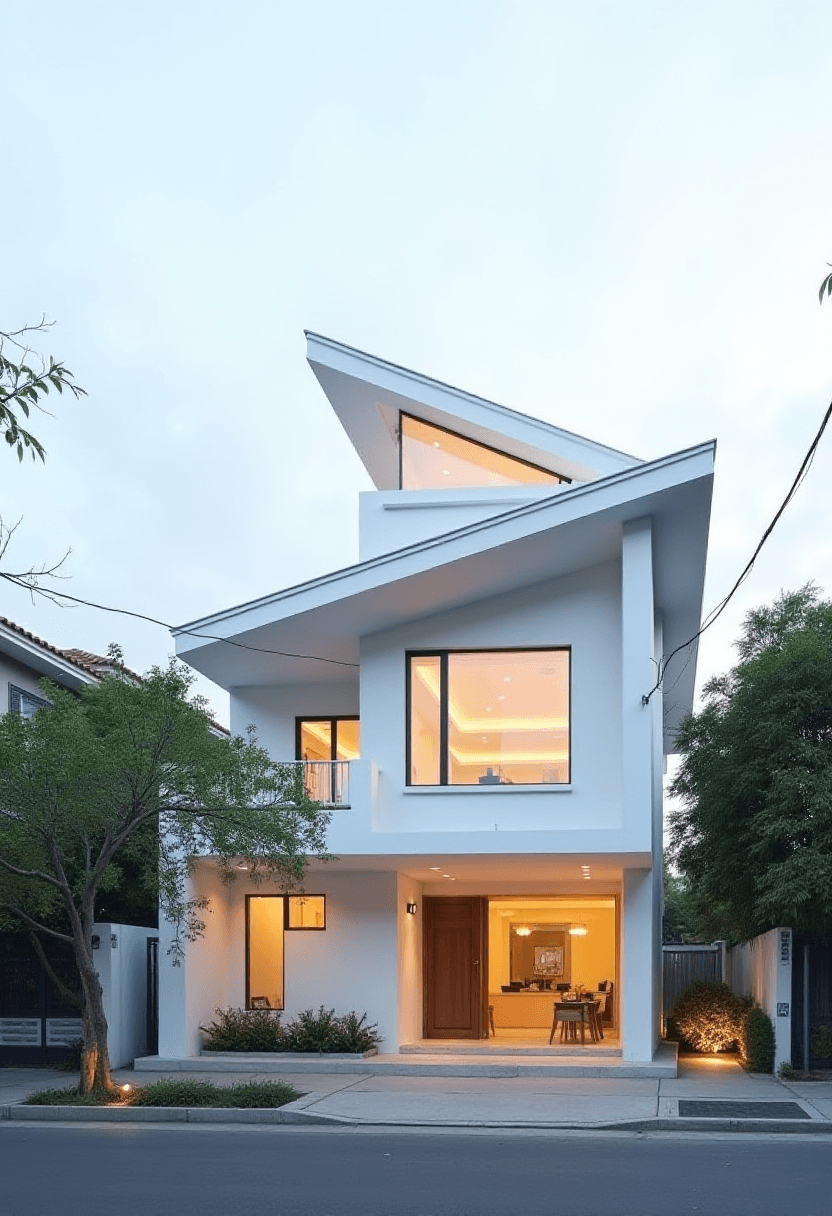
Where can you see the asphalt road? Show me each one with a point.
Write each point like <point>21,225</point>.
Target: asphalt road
<point>176,1171</point>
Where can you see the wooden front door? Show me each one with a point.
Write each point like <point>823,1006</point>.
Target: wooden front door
<point>456,966</point>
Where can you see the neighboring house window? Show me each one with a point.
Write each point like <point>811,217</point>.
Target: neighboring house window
<point>25,703</point>
<point>493,717</point>
<point>268,917</point>
<point>432,458</point>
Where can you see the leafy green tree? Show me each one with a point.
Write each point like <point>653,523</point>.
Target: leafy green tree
<point>80,782</point>
<point>753,831</point>
<point>681,921</point>
<point>25,380</point>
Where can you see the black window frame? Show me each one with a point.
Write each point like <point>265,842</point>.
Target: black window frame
<point>15,694</point>
<point>442,654</point>
<point>538,468</point>
<point>333,720</point>
<point>287,928</point>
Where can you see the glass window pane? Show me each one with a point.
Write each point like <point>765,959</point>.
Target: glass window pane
<point>307,912</point>
<point>348,739</point>
<point>508,718</point>
<point>424,720</point>
<point>316,740</point>
<point>265,951</point>
<point>436,459</point>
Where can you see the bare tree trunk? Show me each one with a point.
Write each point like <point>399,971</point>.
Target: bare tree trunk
<point>96,1076</point>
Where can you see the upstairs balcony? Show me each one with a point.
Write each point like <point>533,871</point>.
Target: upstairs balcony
<point>327,782</point>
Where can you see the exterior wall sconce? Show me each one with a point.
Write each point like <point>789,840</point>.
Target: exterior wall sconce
<point>411,909</point>
<point>578,930</point>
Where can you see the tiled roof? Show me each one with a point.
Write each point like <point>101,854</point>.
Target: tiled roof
<point>95,665</point>
<point>76,657</point>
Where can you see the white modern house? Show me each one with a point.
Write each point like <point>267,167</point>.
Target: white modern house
<point>471,700</point>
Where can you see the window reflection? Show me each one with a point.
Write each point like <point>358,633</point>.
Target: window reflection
<point>433,458</point>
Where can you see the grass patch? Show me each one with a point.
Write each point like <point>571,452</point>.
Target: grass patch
<point>251,1095</point>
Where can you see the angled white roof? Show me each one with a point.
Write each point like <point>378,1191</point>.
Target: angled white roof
<point>311,633</point>
<point>368,394</point>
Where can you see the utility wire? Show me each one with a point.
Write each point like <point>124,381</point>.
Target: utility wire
<point>140,616</point>
<point>716,612</point>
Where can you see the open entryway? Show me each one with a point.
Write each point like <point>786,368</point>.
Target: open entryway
<point>546,950</point>
<point>494,968</point>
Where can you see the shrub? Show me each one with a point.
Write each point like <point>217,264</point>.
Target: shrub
<point>261,1030</point>
<point>758,1040</point>
<point>62,1097</point>
<point>186,1092</point>
<point>821,1042</point>
<point>324,1032</point>
<point>245,1030</point>
<point>258,1094</point>
<point>708,1016</point>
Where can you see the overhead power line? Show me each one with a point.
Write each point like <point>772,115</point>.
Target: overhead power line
<point>50,592</point>
<point>716,612</point>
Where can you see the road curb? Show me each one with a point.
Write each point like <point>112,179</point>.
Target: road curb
<point>286,1116</point>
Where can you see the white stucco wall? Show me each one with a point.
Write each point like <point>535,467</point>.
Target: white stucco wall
<point>122,971</point>
<point>762,968</point>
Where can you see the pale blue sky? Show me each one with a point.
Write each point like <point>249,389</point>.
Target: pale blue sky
<point>615,216</point>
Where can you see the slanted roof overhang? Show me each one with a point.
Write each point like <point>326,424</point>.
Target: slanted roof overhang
<point>368,393</point>
<point>40,656</point>
<point>576,528</point>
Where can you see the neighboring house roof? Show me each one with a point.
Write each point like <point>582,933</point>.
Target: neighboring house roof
<point>368,393</point>
<point>576,527</point>
<point>69,667</point>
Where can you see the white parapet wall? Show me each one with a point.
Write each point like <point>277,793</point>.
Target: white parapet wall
<point>762,968</point>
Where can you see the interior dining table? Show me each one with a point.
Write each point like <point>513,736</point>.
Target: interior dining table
<point>588,1009</point>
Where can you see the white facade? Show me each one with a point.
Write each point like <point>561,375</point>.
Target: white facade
<point>609,566</point>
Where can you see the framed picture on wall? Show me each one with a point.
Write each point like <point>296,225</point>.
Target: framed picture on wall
<point>548,961</point>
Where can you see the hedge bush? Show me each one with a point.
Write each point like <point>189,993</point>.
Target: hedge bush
<point>259,1095</point>
<point>821,1042</point>
<point>709,1016</point>
<point>758,1041</point>
<point>262,1030</point>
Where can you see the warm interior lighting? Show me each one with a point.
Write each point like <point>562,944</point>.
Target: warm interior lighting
<point>523,931</point>
<point>578,930</point>
<point>431,453</point>
<point>411,909</point>
<point>265,951</point>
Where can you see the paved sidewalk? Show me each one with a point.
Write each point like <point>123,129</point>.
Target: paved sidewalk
<point>519,1102</point>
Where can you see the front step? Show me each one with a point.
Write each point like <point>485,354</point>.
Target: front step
<point>418,1065</point>
<point>489,1048</point>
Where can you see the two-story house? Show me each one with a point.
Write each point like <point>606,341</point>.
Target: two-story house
<point>471,697</point>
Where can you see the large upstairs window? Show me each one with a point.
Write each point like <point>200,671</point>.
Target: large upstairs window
<point>433,458</point>
<point>494,717</point>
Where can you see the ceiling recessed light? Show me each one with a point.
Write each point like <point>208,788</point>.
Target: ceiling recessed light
<point>437,444</point>
<point>435,868</point>
<point>446,472</point>
<point>488,709</point>
<point>506,679</point>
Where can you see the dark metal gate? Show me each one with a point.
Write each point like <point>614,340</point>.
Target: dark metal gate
<point>681,965</point>
<point>816,978</point>
<point>37,1026</point>
<point>152,996</point>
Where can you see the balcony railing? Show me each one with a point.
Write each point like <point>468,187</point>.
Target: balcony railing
<point>327,781</point>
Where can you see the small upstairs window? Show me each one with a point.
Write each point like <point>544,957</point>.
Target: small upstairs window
<point>432,458</point>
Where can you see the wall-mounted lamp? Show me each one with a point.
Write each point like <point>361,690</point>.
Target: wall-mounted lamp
<point>578,930</point>
<point>411,909</point>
